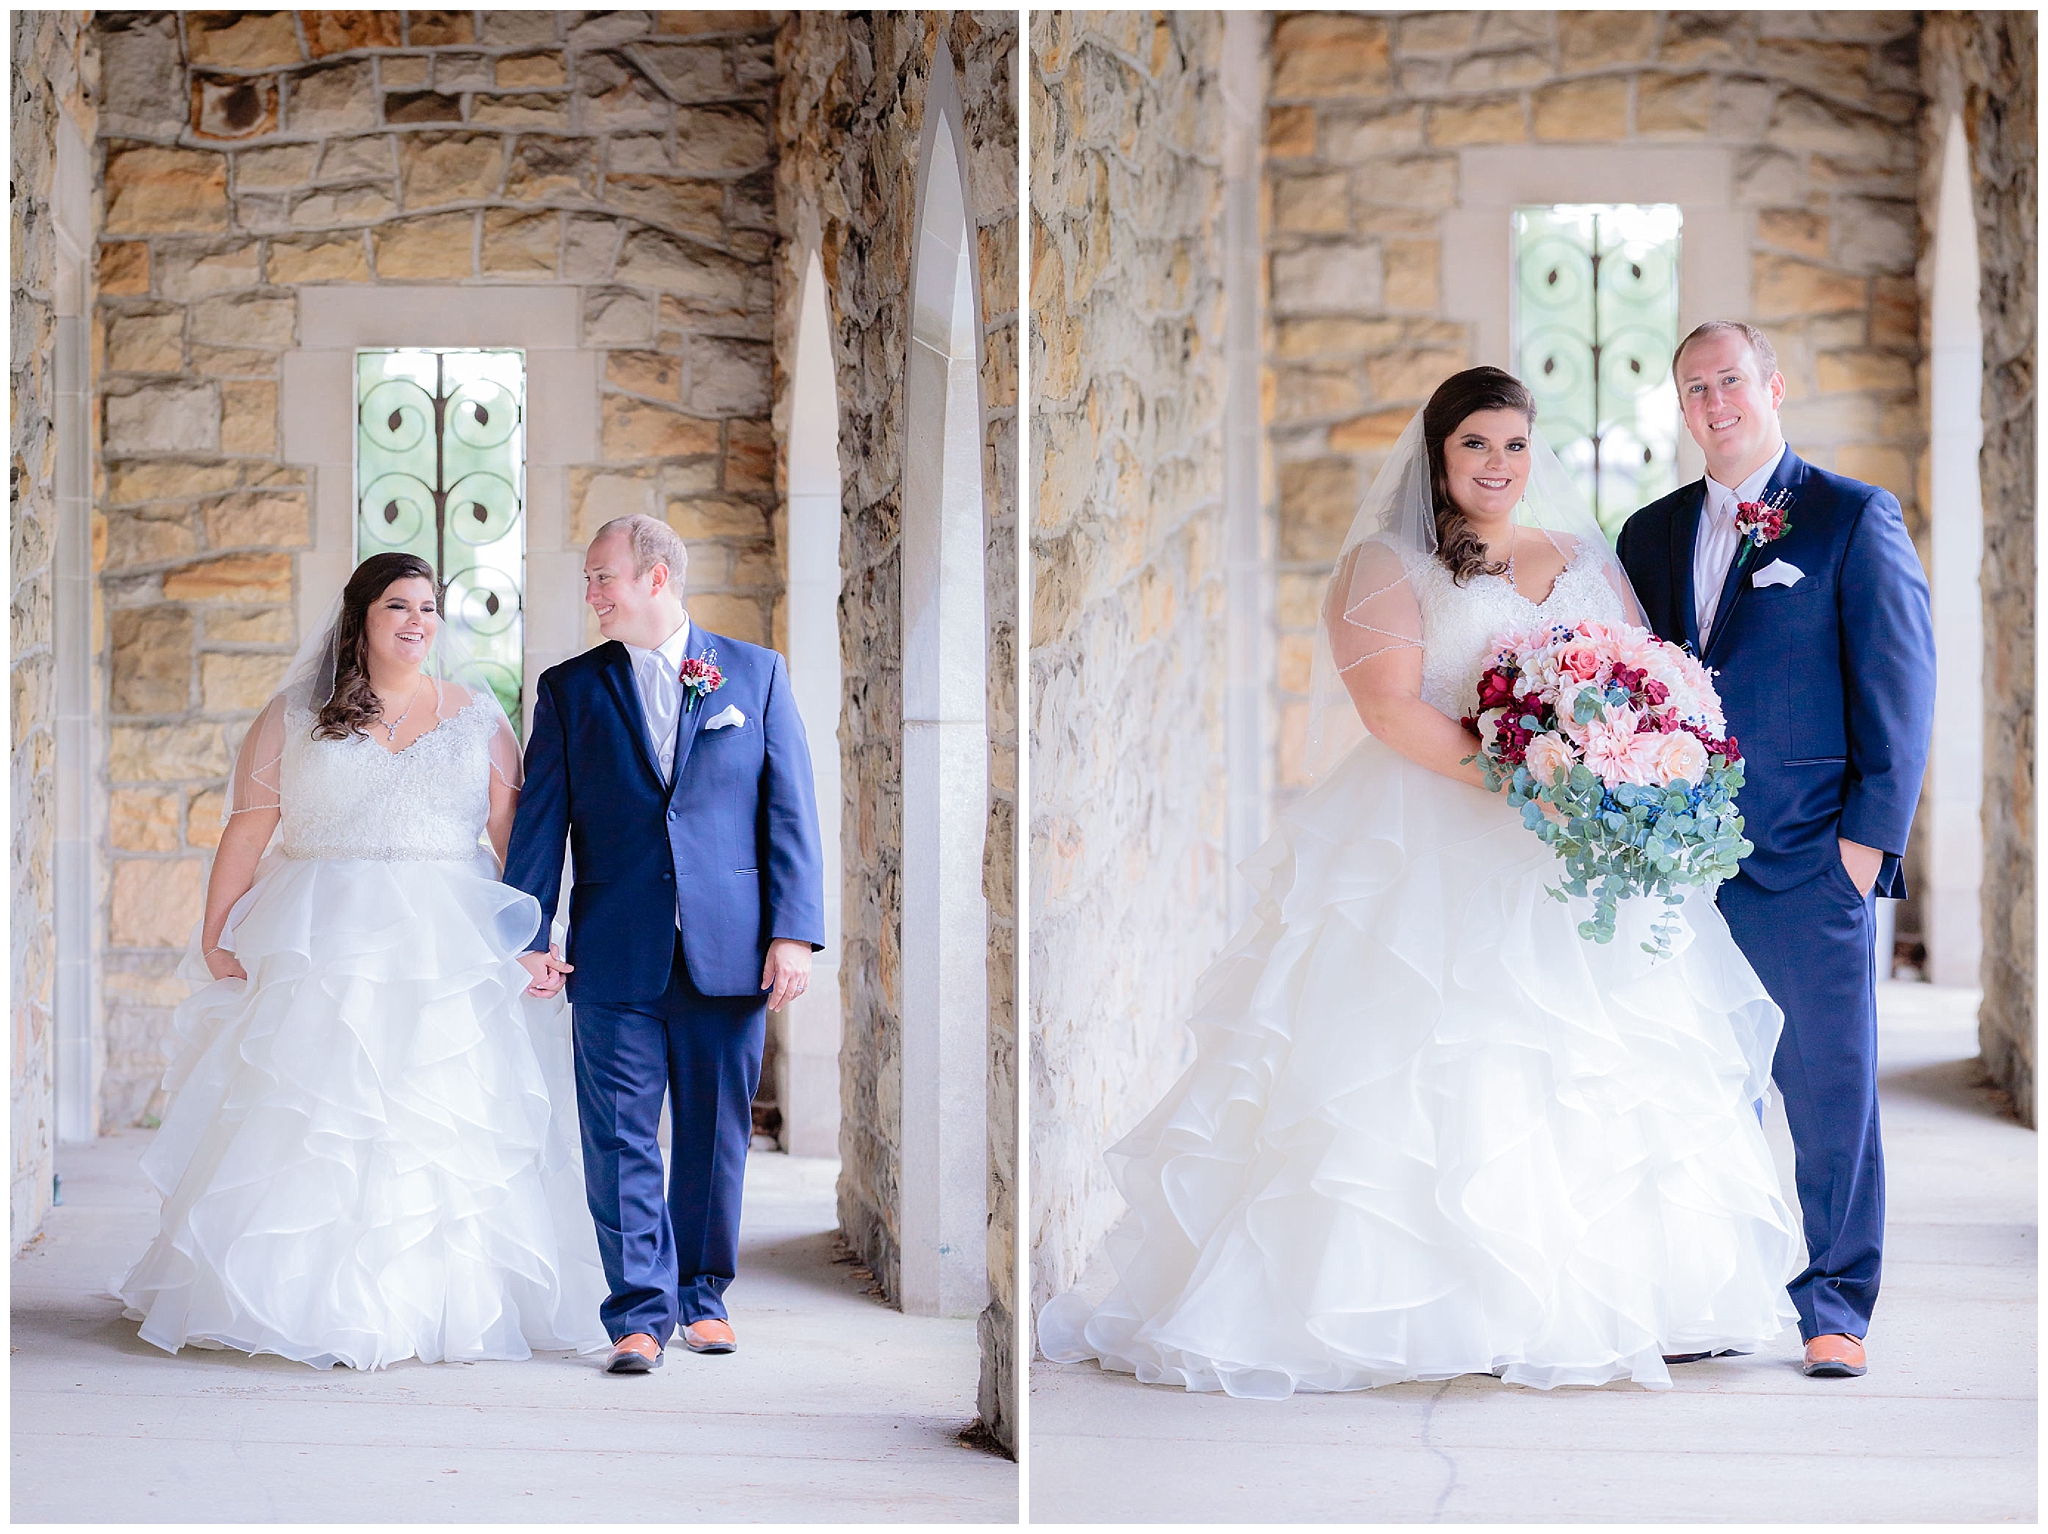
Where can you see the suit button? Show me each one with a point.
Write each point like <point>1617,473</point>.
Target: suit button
<point>668,874</point>
<point>673,813</point>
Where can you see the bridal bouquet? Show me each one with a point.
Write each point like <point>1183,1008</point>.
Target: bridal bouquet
<point>1621,736</point>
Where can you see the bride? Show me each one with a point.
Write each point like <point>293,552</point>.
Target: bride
<point>1430,1130</point>
<point>370,1152</point>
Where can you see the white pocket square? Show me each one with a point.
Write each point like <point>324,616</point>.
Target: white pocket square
<point>1778,572</point>
<point>730,717</point>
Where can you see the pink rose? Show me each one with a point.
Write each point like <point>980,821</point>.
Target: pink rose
<point>1680,758</point>
<point>1580,659</point>
<point>1548,754</point>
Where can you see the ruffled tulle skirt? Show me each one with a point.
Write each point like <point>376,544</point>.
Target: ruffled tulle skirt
<point>370,1151</point>
<point>1431,1131</point>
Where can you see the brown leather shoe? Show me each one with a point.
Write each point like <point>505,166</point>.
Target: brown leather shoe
<point>1834,1356</point>
<point>634,1353</point>
<point>711,1335</point>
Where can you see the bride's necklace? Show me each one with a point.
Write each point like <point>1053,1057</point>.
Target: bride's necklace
<point>390,727</point>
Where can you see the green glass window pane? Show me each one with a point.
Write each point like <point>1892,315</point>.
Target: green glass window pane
<point>1596,317</point>
<point>441,473</point>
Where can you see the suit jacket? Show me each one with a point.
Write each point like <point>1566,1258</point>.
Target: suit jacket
<point>731,842</point>
<point>1828,683</point>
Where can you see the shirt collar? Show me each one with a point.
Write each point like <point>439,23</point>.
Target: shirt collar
<point>1722,501</point>
<point>670,649</point>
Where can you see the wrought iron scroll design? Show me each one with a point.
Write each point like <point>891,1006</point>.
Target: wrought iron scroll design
<point>440,472</point>
<point>1596,317</point>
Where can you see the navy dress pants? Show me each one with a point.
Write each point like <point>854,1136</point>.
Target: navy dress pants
<point>668,1254</point>
<point>1812,946</point>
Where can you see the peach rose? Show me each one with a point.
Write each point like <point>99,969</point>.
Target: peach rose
<point>1548,753</point>
<point>1680,758</point>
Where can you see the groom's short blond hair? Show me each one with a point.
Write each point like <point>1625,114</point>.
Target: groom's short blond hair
<point>1759,343</point>
<point>653,542</point>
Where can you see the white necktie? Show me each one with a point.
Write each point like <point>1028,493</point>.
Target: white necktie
<point>1714,560</point>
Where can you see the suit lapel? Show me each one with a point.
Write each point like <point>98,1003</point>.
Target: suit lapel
<point>1685,525</point>
<point>618,675</point>
<point>1733,589</point>
<point>690,720</point>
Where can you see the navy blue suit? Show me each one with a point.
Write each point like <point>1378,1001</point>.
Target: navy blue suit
<point>730,844</point>
<point>1828,685</point>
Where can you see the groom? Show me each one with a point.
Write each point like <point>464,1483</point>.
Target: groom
<point>1801,589</point>
<point>674,764</point>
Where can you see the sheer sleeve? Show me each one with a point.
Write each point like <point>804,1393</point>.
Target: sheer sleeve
<point>258,779</point>
<point>1370,607</point>
<point>508,766</point>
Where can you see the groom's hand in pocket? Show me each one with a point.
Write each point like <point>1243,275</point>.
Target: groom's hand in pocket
<point>1862,863</point>
<point>787,974</point>
<point>547,969</point>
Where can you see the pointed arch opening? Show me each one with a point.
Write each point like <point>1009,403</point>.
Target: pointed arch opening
<point>944,1166</point>
<point>808,1031</point>
<point>1955,779</point>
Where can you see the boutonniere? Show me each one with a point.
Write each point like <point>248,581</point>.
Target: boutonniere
<point>1763,522</point>
<point>700,678</point>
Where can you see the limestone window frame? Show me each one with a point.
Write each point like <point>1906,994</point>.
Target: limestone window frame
<point>317,400</point>
<point>1478,233</point>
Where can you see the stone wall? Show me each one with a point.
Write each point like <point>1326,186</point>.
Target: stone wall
<point>249,155</point>
<point>1128,762</point>
<point>1982,64</point>
<point>848,124</point>
<point>55,72</point>
<point>1367,116</point>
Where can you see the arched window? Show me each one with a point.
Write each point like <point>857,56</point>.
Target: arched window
<point>944,1143</point>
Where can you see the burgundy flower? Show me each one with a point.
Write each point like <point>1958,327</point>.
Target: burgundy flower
<point>1496,689</point>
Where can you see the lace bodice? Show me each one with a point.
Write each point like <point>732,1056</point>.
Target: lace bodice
<point>1461,623</point>
<point>356,799</point>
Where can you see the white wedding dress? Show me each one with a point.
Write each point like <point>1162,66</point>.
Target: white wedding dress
<point>370,1152</point>
<point>1429,1129</point>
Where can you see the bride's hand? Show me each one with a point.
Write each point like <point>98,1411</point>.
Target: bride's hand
<point>223,965</point>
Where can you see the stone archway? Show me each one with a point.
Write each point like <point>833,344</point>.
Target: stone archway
<point>807,1052</point>
<point>1955,778</point>
<point>944,1188</point>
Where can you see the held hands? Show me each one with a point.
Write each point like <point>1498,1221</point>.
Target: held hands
<point>787,974</point>
<point>1863,864</point>
<point>548,971</point>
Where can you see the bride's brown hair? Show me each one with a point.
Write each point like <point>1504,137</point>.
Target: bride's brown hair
<point>1461,395</point>
<point>353,704</point>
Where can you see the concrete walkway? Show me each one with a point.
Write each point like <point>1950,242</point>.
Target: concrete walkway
<point>1943,1428</point>
<point>835,1409</point>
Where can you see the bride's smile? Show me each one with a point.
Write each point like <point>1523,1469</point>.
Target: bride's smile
<point>1486,466</point>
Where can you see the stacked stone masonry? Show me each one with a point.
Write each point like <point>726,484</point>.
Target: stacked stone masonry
<point>1982,65</point>
<point>1127,670</point>
<point>55,73</point>
<point>849,116</point>
<point>249,155</point>
<point>1367,115</point>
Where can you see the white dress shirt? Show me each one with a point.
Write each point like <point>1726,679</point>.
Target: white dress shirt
<point>656,678</point>
<point>1714,546</point>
